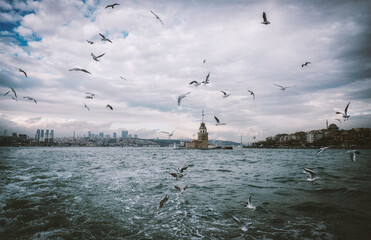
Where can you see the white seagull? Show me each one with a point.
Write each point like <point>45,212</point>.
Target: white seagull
<point>169,134</point>
<point>244,227</point>
<point>353,154</point>
<point>312,175</point>
<point>79,69</point>
<point>321,150</point>
<point>181,97</point>
<point>104,38</point>
<point>345,114</point>
<point>96,57</point>
<point>265,21</point>
<point>218,121</point>
<point>282,88</point>
<point>157,17</point>
<point>225,95</point>
<point>249,204</point>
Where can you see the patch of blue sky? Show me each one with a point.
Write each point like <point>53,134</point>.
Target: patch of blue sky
<point>24,41</point>
<point>125,34</point>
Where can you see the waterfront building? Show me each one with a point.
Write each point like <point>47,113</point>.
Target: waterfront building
<point>51,135</point>
<point>124,134</point>
<point>47,135</point>
<point>37,136</point>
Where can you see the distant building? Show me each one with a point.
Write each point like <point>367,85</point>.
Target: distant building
<point>101,134</point>
<point>114,135</point>
<point>89,134</point>
<point>135,135</point>
<point>51,135</point>
<point>42,135</point>
<point>47,135</point>
<point>124,134</point>
<point>37,135</point>
<point>203,138</point>
<point>313,136</point>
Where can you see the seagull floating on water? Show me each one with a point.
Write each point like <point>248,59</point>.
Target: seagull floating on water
<point>345,114</point>
<point>353,154</point>
<point>31,99</point>
<point>312,175</point>
<point>96,57</point>
<point>104,38</point>
<point>195,83</point>
<point>79,69</point>
<point>249,204</point>
<point>251,93</point>
<point>163,201</point>
<point>109,106</point>
<point>182,96</point>
<point>244,227</point>
<point>321,150</point>
<point>157,17</point>
<point>265,21</point>
<point>218,121</point>
<point>225,95</point>
<point>86,107</point>
<point>112,5</point>
<point>22,72</point>
<point>169,134</point>
<point>305,64</point>
<point>283,88</point>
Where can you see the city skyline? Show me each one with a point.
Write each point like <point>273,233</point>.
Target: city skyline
<point>157,62</point>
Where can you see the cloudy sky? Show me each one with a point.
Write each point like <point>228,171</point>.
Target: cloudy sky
<point>47,38</point>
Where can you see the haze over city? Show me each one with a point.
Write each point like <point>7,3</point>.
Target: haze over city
<point>149,64</point>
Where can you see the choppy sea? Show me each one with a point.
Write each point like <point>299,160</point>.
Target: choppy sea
<point>113,193</point>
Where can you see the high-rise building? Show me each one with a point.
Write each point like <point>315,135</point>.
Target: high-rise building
<point>37,135</point>
<point>47,135</point>
<point>42,135</point>
<point>124,134</point>
<point>114,135</point>
<point>74,134</point>
<point>101,134</point>
<point>89,134</point>
<point>51,135</point>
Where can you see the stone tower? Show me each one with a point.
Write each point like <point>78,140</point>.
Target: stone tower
<point>203,136</point>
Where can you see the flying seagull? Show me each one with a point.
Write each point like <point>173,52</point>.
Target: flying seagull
<point>182,96</point>
<point>86,107</point>
<point>89,97</point>
<point>206,80</point>
<point>204,61</point>
<point>112,5</point>
<point>225,95</point>
<point>244,227</point>
<point>353,154</point>
<point>15,94</point>
<point>157,17</point>
<point>251,93</point>
<point>345,114</point>
<point>249,204</point>
<point>195,83</point>
<point>183,168</point>
<point>321,150</point>
<point>104,38</point>
<point>90,42</point>
<point>31,99</point>
<point>109,106</point>
<point>180,189</point>
<point>218,121</point>
<point>312,175</point>
<point>169,134</point>
<point>176,175</point>
<point>123,78</point>
<point>91,94</point>
<point>305,64</point>
<point>79,69</point>
<point>282,88</point>
<point>96,57</point>
<point>23,72</point>
<point>163,201</point>
<point>265,21</point>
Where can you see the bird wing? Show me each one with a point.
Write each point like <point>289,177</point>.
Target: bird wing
<point>193,82</point>
<point>165,132</point>
<point>83,70</point>
<point>237,220</point>
<point>346,108</point>
<point>264,17</point>
<point>180,99</point>
<point>217,120</point>
<point>101,55</point>
<point>278,85</point>
<point>224,93</point>
<point>339,113</point>
<point>207,77</point>
<point>103,37</point>
<point>15,94</point>
<point>34,100</point>
<point>154,14</point>
<point>312,174</point>
<point>23,72</point>
<point>249,200</point>
<point>177,188</point>
<point>6,93</point>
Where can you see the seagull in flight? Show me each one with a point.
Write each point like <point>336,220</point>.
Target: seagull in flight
<point>305,64</point>
<point>104,38</point>
<point>265,21</point>
<point>206,80</point>
<point>169,134</point>
<point>345,114</point>
<point>163,201</point>
<point>321,150</point>
<point>22,71</point>
<point>312,175</point>
<point>123,78</point>
<point>218,121</point>
<point>112,5</point>
<point>183,169</point>
<point>181,190</point>
<point>195,83</point>
<point>182,96</point>
<point>90,42</point>
<point>353,154</point>
<point>91,94</point>
<point>283,88</point>
<point>79,69</point>
<point>251,93</point>
<point>96,57</point>
<point>86,107</point>
<point>249,204</point>
<point>176,175</point>
<point>244,227</point>
<point>89,97</point>
<point>225,95</point>
<point>109,106</point>
<point>157,17</point>
<point>31,99</point>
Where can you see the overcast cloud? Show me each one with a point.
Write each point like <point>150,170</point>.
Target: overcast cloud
<point>47,38</point>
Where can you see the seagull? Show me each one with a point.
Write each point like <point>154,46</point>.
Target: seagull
<point>86,107</point>
<point>312,174</point>
<point>243,227</point>
<point>90,42</point>
<point>31,99</point>
<point>225,95</point>
<point>206,80</point>
<point>218,121</point>
<point>181,190</point>
<point>353,154</point>
<point>305,64</point>
<point>283,88</point>
<point>176,175</point>
<point>183,168</point>
<point>23,72</point>
<point>195,83</point>
<point>89,97</point>
<point>265,21</point>
<point>96,57</point>
<point>321,150</point>
<point>15,94</point>
<point>112,5</point>
<point>104,38</point>
<point>204,61</point>
<point>169,134</point>
<point>338,120</point>
<point>163,201</point>
<point>79,69</point>
<point>182,96</point>
<point>345,114</point>
<point>249,204</point>
<point>109,106</point>
<point>123,78</point>
<point>251,93</point>
<point>157,17</point>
